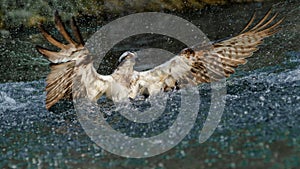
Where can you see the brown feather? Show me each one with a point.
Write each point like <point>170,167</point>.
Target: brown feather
<point>61,28</point>
<point>50,39</point>
<point>59,82</point>
<point>76,32</point>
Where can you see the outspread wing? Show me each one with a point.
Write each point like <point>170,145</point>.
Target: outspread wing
<point>210,63</point>
<point>72,72</point>
<point>191,67</point>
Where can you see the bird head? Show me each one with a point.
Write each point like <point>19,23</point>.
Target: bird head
<point>126,56</point>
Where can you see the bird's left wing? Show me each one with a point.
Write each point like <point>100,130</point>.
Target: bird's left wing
<point>210,63</point>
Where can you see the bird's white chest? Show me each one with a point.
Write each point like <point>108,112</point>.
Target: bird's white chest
<point>117,92</point>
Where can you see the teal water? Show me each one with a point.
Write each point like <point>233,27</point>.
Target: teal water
<point>260,126</point>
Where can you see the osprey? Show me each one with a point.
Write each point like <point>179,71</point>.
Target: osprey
<point>190,67</point>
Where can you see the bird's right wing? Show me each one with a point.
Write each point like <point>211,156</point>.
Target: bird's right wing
<point>72,73</point>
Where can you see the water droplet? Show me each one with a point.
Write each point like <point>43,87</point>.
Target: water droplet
<point>262,98</point>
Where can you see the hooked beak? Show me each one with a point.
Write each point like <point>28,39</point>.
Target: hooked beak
<point>127,55</point>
